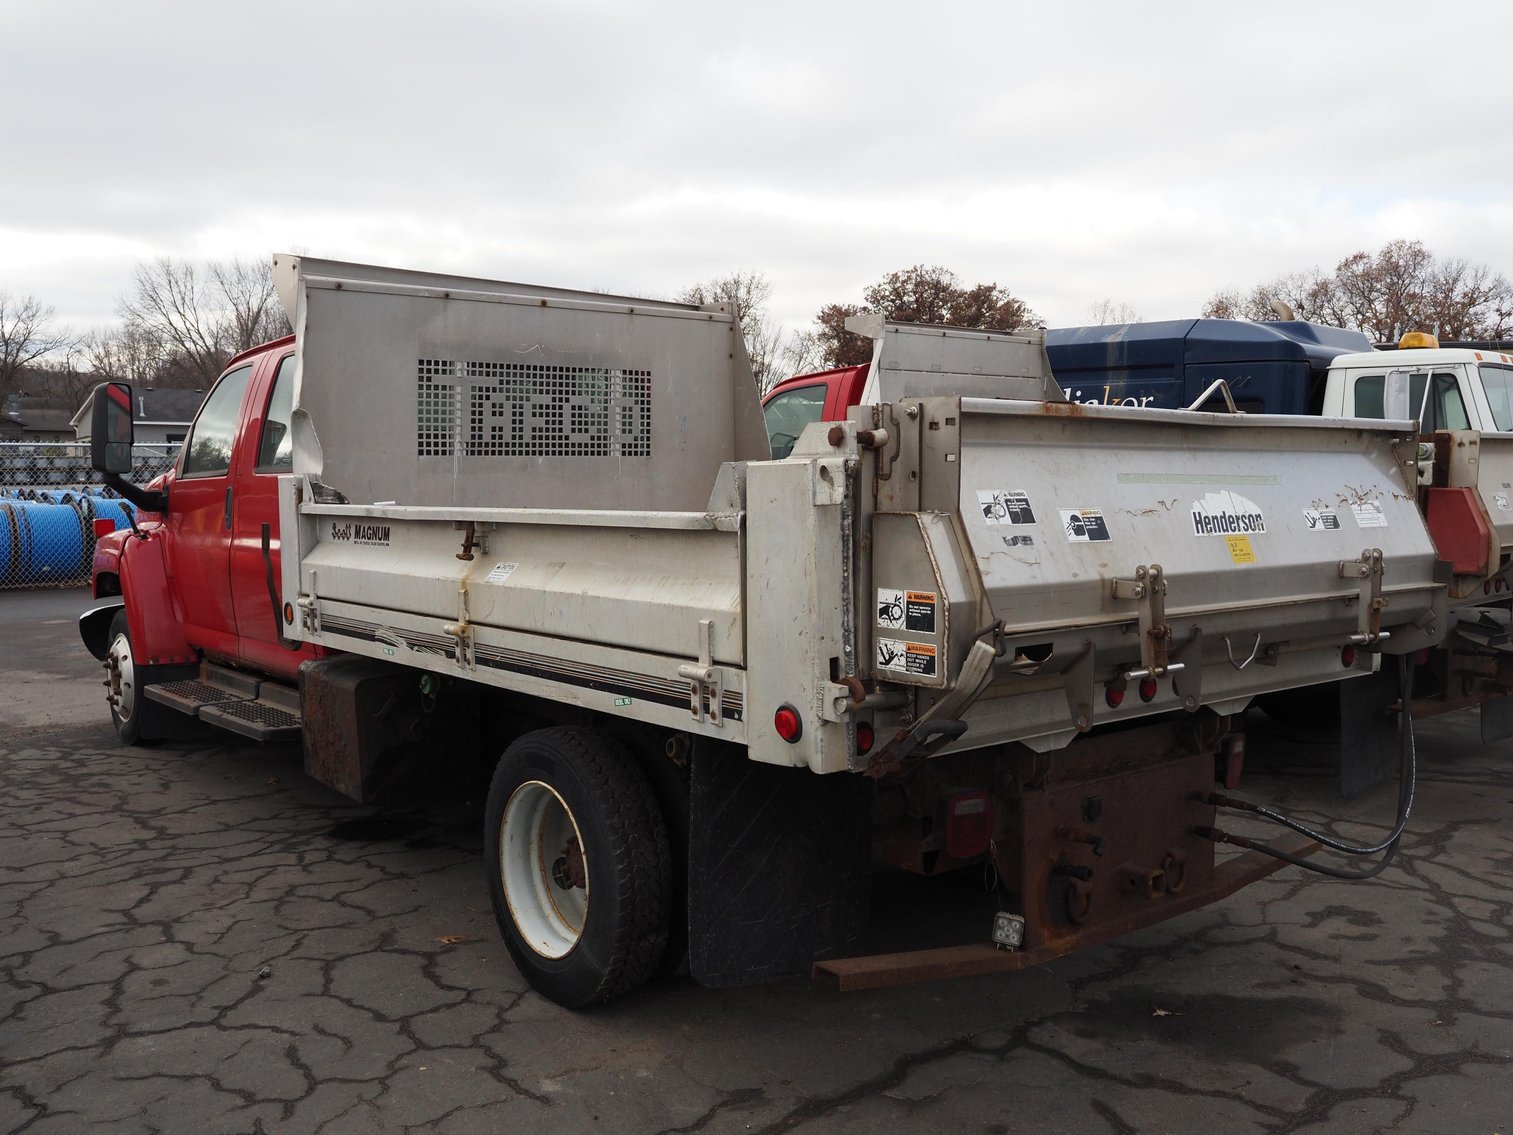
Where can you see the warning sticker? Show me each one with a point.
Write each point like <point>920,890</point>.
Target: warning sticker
<point>1240,550</point>
<point>500,572</point>
<point>1227,513</point>
<point>919,611</point>
<point>1005,506</point>
<point>1321,519</point>
<point>890,608</point>
<point>1502,502</point>
<point>909,657</point>
<point>1084,525</point>
<point>1369,514</point>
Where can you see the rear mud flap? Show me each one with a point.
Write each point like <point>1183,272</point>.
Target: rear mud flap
<point>1368,730</point>
<point>1496,720</point>
<point>778,867</point>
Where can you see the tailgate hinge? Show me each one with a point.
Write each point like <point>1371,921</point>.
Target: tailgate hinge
<point>706,681</point>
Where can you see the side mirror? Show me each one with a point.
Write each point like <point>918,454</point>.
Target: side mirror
<point>1396,399</point>
<point>111,428</point>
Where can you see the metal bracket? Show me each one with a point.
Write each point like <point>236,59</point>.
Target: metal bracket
<point>938,725</point>
<point>706,681</point>
<point>1222,387</point>
<point>309,608</point>
<point>1148,589</point>
<point>462,631</point>
<point>1368,570</point>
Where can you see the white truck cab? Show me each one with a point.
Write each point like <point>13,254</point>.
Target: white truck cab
<point>1468,389</point>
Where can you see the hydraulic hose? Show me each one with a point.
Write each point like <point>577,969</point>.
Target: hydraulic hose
<point>1407,782</point>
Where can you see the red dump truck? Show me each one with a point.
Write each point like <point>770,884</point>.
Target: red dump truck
<point>968,623</point>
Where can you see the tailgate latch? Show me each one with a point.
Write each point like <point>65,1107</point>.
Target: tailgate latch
<point>1148,589</point>
<point>1368,570</point>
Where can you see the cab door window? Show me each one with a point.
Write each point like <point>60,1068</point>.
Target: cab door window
<point>1445,409</point>
<point>789,413</point>
<point>275,450</point>
<point>208,450</point>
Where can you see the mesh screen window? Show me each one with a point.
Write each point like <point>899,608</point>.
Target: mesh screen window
<point>435,408</point>
<point>533,410</point>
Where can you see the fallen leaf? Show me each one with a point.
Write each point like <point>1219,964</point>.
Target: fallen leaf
<point>453,939</point>
<point>1164,1013</point>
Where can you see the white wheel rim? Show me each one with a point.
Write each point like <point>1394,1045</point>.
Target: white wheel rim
<point>537,834</point>
<point>122,678</point>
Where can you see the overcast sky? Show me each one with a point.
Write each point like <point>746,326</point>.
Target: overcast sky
<point>1148,154</point>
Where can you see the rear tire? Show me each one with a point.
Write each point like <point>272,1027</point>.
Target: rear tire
<point>578,863</point>
<point>138,721</point>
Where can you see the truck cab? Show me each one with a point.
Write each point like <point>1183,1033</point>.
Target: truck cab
<point>1468,389</point>
<point>196,582</point>
<point>807,398</point>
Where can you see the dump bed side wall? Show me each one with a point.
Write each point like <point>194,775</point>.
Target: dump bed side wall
<point>431,397</point>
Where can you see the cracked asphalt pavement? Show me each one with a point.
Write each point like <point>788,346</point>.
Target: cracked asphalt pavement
<point>196,938</point>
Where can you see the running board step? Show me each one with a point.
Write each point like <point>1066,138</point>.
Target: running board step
<point>242,703</point>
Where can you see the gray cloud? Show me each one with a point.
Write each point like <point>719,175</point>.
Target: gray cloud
<point>1076,152</point>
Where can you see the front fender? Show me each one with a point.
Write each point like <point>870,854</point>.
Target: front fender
<point>94,626</point>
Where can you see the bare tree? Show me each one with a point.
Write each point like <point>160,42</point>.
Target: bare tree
<point>122,354</point>
<point>1106,312</point>
<point>198,316</point>
<point>26,335</point>
<point>919,294</point>
<point>1401,287</point>
<point>748,294</point>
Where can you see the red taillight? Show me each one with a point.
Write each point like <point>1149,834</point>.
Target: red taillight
<point>1421,658</point>
<point>1347,657</point>
<point>788,723</point>
<point>969,824</point>
<point>104,526</point>
<point>1113,696</point>
<point>1147,688</point>
<point>1486,587</point>
<point>864,737</point>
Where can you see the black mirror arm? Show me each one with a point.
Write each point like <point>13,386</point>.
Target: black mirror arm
<point>148,500</point>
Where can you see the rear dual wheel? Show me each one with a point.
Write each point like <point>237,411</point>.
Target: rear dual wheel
<point>579,866</point>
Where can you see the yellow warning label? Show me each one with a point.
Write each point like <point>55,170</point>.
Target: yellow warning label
<point>1240,550</point>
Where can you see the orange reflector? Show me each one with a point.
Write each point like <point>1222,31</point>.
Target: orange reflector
<point>289,613</point>
<point>788,723</point>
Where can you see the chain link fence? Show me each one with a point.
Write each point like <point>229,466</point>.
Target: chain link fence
<point>53,507</point>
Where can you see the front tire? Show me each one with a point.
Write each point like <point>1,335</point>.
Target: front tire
<point>138,721</point>
<point>579,866</point>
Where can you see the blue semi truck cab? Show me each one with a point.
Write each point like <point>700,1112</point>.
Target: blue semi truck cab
<point>1271,368</point>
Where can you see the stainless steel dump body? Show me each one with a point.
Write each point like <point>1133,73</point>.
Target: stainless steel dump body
<point>953,571</point>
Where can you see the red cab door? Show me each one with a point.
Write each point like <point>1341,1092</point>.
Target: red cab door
<point>265,454</point>
<point>200,509</point>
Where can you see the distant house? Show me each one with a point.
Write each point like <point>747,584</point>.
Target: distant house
<point>29,418</point>
<point>162,416</point>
